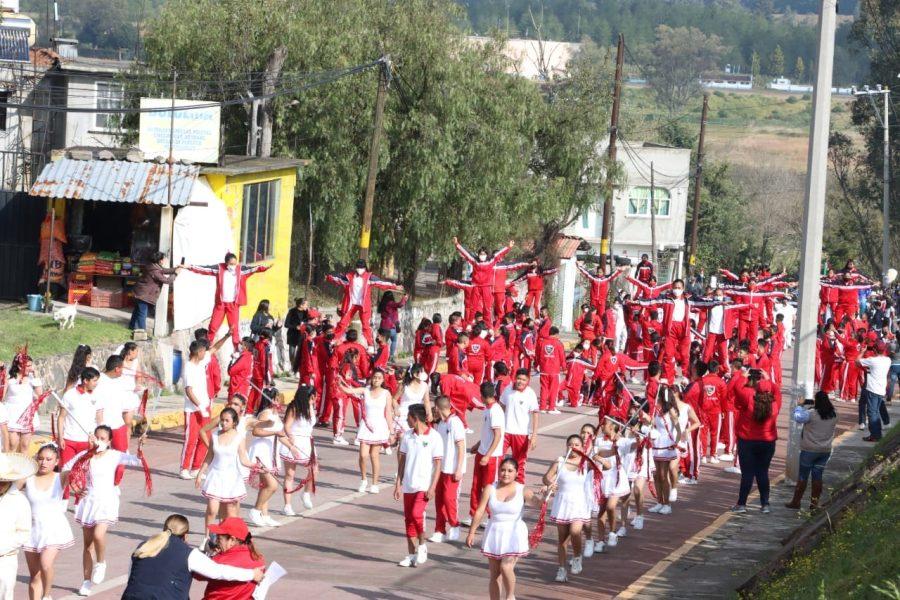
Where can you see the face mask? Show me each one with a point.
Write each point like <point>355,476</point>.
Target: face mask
<point>360,271</point>
<point>677,292</point>
<point>483,334</point>
<point>586,345</point>
<point>423,377</point>
<point>231,268</point>
<point>719,298</point>
<point>102,446</point>
<point>482,257</point>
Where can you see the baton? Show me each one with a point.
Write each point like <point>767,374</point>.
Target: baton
<point>60,402</point>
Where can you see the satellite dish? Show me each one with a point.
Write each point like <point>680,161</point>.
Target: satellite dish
<point>891,276</point>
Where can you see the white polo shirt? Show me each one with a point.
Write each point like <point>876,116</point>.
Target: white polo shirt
<point>519,406</point>
<point>877,368</point>
<point>356,291</point>
<point>109,397</point>
<point>421,451</point>
<point>493,419</point>
<point>451,431</point>
<point>81,407</point>
<point>194,377</point>
<point>717,320</point>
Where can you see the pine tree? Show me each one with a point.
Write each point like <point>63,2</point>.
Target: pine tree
<point>776,62</point>
<point>799,69</point>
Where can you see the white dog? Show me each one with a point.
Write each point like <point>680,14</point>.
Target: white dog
<point>65,316</point>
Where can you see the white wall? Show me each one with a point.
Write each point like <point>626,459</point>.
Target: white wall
<point>81,128</point>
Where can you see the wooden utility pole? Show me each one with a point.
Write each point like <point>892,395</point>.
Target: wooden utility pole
<point>365,233</point>
<point>267,104</point>
<point>698,183</point>
<point>652,214</point>
<point>605,249</point>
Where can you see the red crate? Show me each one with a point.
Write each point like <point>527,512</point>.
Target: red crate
<point>80,295</point>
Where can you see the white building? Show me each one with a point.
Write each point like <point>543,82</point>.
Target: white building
<point>726,81</point>
<point>783,84</point>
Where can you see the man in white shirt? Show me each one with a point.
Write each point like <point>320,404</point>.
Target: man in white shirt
<point>196,409</point>
<point>453,467</point>
<point>418,469</point>
<point>78,415</point>
<point>489,449</point>
<point>521,424</point>
<point>114,407</point>
<point>877,368</point>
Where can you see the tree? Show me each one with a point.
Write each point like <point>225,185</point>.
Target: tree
<point>675,62</point>
<point>755,68</point>
<point>776,62</point>
<point>799,69</point>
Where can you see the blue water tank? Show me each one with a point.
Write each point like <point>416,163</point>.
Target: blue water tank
<point>177,362</point>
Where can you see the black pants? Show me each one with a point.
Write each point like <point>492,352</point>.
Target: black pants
<point>755,457</point>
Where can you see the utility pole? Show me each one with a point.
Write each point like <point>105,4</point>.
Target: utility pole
<point>698,183</point>
<point>813,223</point>
<point>605,247</point>
<point>166,220</point>
<point>652,214</point>
<point>383,82</point>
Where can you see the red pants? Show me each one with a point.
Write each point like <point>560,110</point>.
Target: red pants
<point>193,452</point>
<point>119,442</point>
<point>749,330</point>
<point>533,301</point>
<point>677,349</point>
<point>232,312</point>
<point>254,396</point>
<point>476,369</point>
<point>482,475</point>
<point>499,305</point>
<point>365,322</point>
<point>716,344</point>
<point>340,402</point>
<point>483,300</point>
<point>430,358</point>
<point>573,393</point>
<point>712,423</point>
<point>517,445</point>
<point>71,449</point>
<point>850,379</point>
<point>446,503</point>
<point>414,514</point>
<point>726,432</point>
<point>549,390</point>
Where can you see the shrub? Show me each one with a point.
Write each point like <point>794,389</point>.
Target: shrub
<point>792,100</point>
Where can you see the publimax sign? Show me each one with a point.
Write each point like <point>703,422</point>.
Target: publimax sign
<point>194,137</point>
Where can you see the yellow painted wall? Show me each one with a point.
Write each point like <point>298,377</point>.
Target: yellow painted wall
<point>273,284</point>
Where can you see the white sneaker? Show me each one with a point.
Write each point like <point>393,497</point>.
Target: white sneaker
<point>692,481</point>
<point>720,446</point>
<point>288,511</point>
<point>340,441</point>
<point>85,589</point>
<point>862,426</point>
<point>185,474</point>
<point>374,489</point>
<point>673,495</point>
<point>622,532</point>
<point>437,537</point>
<point>713,460</point>
<point>588,549</point>
<point>598,547</point>
<point>409,561</point>
<point>268,520</point>
<point>469,431</point>
<point>638,522</point>
<point>256,518</point>
<point>735,470</point>
<point>388,451</point>
<point>576,565</point>
<point>726,456</point>
<point>612,540</point>
<point>453,534</point>
<point>704,460</point>
<point>356,442</point>
<point>194,473</point>
<point>466,521</point>
<point>98,573</point>
<point>655,508</point>
<point>422,555</point>
<point>665,510</point>
<point>307,501</point>
<point>554,412</point>
<point>363,484</point>
<point>561,576</point>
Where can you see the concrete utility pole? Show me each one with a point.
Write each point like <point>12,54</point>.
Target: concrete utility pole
<point>698,183</point>
<point>166,220</point>
<point>605,247</point>
<point>383,82</point>
<point>652,215</point>
<point>813,223</point>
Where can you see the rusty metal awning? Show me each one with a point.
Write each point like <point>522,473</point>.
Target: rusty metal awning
<point>116,181</point>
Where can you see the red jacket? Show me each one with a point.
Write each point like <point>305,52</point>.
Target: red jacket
<point>213,376</point>
<point>457,363</point>
<point>437,335</point>
<point>644,271</point>
<point>737,381</point>
<point>450,338</point>
<point>263,369</point>
<point>747,427</point>
<point>369,281</point>
<point>482,272</point>
<point>535,279</point>
<point>551,356</point>
<point>478,349</point>
<point>362,357</point>
<point>309,360</point>
<point>756,301</point>
<point>500,273</point>
<point>599,286</point>
<point>645,290</point>
<point>239,556</point>
<point>462,392</point>
<point>239,374</point>
<point>712,393</point>
<point>242,272</point>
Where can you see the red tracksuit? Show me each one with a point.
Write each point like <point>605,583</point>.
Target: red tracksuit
<point>599,287</point>
<point>228,308</point>
<point>500,286</point>
<point>535,280</point>
<point>646,291</point>
<point>588,328</point>
<point>721,323</point>
<point>213,377</point>
<point>850,375</point>
<point>551,358</point>
<point>239,372</point>
<point>325,377</point>
<point>677,334</point>
<point>262,374</point>
<point>361,305</point>
<point>468,290</point>
<point>483,280</point>
<point>463,394</point>
<point>477,357</point>
<point>728,434</point>
<point>712,394</point>
<point>644,271</point>
<point>450,338</point>
<point>527,344</point>
<point>754,316</point>
<point>577,369</point>
<point>457,361</point>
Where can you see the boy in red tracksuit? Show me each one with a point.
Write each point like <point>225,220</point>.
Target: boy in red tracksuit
<point>469,304</point>
<point>851,374</point>
<point>464,395</point>
<point>357,300</point>
<point>644,269</point>
<point>497,353</point>
<point>231,292</point>
<point>599,285</point>
<point>712,397</point>
<point>454,329</point>
<point>578,369</point>
<point>535,280</point>
<point>501,286</point>
<point>527,344</point>
<point>651,389</point>
<point>308,358</point>
<point>477,354</point>
<point>720,326</point>
<point>754,316</point>
<point>690,462</point>
<point>263,369</point>
<point>457,358</point>
<point>240,369</point>
<point>483,266</point>
<point>324,344</point>
<point>728,435</point>
<point>551,359</point>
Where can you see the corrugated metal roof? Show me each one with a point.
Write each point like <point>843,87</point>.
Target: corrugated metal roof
<point>565,246</point>
<point>115,181</point>
<point>14,44</point>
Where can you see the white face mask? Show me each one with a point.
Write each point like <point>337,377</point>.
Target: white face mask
<point>232,268</point>
<point>483,334</point>
<point>482,257</point>
<point>360,271</point>
<point>586,345</point>
<point>677,292</point>
<point>719,297</point>
<point>102,446</point>
<point>423,377</point>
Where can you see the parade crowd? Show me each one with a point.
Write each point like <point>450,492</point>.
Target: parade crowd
<point>670,379</point>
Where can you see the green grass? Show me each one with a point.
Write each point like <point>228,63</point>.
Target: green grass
<point>861,555</point>
<point>44,337</point>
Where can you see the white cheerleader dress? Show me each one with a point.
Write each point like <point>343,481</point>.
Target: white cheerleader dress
<point>374,430</point>
<point>615,479</point>
<point>19,396</point>
<point>570,503</point>
<point>408,398</point>
<point>506,533</point>
<point>664,443</point>
<point>263,448</point>
<point>100,502</point>
<point>301,435</point>
<point>646,467</point>
<point>49,525</point>
<point>224,480</point>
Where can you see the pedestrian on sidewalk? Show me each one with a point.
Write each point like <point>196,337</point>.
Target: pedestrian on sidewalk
<point>819,422</point>
<point>757,405</point>
<point>877,368</point>
<point>147,288</point>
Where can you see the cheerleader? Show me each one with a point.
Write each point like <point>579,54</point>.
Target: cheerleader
<point>299,420</point>
<point>92,479</point>
<point>267,430</point>
<point>374,432</point>
<point>414,391</point>
<point>614,447</point>
<point>587,434</point>
<point>570,510</point>
<point>666,435</point>
<point>506,536</point>
<point>223,486</point>
<point>82,359</point>
<point>50,531</point>
<point>22,389</point>
<point>639,466</point>
<point>689,422</point>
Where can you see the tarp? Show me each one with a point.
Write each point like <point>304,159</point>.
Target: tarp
<point>202,235</point>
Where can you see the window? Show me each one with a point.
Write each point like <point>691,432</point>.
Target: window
<point>4,97</point>
<point>260,213</point>
<point>585,223</point>
<point>639,201</point>
<point>109,95</point>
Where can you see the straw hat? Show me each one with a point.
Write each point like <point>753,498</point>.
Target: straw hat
<point>15,466</point>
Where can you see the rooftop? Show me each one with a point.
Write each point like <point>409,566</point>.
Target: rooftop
<point>241,165</point>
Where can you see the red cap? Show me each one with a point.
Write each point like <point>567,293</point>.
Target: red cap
<point>313,314</point>
<point>233,526</point>
<point>881,347</point>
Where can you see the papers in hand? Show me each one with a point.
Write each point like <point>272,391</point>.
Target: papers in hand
<point>274,572</point>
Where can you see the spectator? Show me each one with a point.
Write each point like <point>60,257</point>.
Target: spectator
<point>161,567</point>
<point>894,373</point>
<point>234,546</point>
<point>262,319</point>
<point>757,407</point>
<point>877,368</point>
<point>389,309</point>
<point>146,290</point>
<point>819,423</point>
<point>292,322</point>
